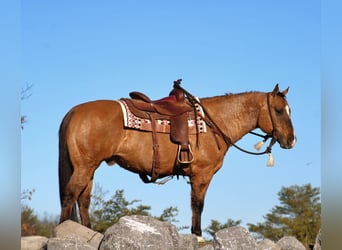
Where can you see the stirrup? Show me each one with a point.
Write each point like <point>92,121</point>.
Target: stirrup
<point>190,155</point>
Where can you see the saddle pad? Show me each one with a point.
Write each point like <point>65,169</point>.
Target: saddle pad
<point>162,126</point>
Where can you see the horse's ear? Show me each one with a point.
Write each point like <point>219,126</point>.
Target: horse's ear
<point>275,90</point>
<point>284,93</point>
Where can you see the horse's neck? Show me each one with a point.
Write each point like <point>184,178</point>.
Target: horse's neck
<point>235,114</point>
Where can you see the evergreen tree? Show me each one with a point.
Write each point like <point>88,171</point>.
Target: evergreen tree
<point>297,215</point>
<point>169,215</point>
<point>109,212</point>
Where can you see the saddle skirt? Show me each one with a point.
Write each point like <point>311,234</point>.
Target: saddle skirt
<point>162,122</point>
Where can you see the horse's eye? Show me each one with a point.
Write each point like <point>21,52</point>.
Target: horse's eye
<point>279,111</point>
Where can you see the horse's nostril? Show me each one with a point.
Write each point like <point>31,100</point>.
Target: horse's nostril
<point>291,140</point>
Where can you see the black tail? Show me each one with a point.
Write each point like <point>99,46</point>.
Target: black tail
<point>65,168</point>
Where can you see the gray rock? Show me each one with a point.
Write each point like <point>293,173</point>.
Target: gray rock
<point>70,229</point>
<point>318,244</point>
<point>33,243</point>
<point>68,244</point>
<point>290,243</point>
<point>207,247</point>
<point>143,232</point>
<point>267,244</point>
<point>234,238</point>
<point>187,241</point>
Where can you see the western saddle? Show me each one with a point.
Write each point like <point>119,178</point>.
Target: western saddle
<point>174,108</point>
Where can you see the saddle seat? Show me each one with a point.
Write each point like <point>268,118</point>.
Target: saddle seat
<point>167,106</point>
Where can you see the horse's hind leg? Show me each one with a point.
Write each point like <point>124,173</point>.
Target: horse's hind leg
<point>76,187</point>
<point>84,203</point>
<point>68,210</point>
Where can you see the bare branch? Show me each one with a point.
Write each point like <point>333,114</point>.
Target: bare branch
<point>25,92</point>
<point>25,95</point>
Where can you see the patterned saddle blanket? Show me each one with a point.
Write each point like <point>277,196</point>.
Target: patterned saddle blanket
<point>162,125</point>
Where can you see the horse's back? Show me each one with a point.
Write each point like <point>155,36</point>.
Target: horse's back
<point>97,106</point>
<point>99,110</point>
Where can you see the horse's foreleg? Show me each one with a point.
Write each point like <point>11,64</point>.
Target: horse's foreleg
<point>83,204</point>
<point>199,188</point>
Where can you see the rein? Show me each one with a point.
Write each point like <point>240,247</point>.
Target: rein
<point>211,123</point>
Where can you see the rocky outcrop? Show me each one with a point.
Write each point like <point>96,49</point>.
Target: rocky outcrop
<point>290,243</point>
<point>267,244</point>
<point>68,244</point>
<point>77,233</point>
<point>33,242</point>
<point>144,232</point>
<point>234,238</point>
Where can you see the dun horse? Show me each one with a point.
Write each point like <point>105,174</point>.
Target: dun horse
<point>93,132</point>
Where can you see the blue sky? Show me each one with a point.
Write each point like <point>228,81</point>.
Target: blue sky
<point>73,52</point>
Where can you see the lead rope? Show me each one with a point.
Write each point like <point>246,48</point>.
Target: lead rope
<point>211,123</point>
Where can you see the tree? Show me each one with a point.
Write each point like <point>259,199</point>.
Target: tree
<point>110,211</point>
<point>297,215</point>
<point>168,215</point>
<point>29,221</point>
<point>217,226</point>
<point>28,218</point>
<point>31,224</point>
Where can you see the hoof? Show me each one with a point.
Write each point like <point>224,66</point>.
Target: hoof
<point>200,239</point>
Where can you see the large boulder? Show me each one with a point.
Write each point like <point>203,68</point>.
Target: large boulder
<point>33,242</point>
<point>267,244</point>
<point>144,232</point>
<point>206,247</point>
<point>69,244</point>
<point>234,238</point>
<point>78,233</point>
<point>290,243</point>
<point>187,242</point>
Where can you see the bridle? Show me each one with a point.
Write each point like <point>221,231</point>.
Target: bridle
<point>217,130</point>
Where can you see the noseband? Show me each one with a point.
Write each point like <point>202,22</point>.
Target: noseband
<point>217,130</point>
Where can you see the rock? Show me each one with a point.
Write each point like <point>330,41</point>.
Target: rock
<point>290,243</point>
<point>144,232</point>
<point>187,241</point>
<point>70,229</point>
<point>318,245</point>
<point>267,244</point>
<point>68,244</point>
<point>234,238</point>
<point>207,247</point>
<point>33,243</point>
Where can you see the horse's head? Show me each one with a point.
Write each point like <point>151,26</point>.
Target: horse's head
<point>276,118</point>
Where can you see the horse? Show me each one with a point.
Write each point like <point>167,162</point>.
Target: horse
<point>93,132</point>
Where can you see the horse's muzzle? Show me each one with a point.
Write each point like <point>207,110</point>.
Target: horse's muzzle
<point>289,143</point>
